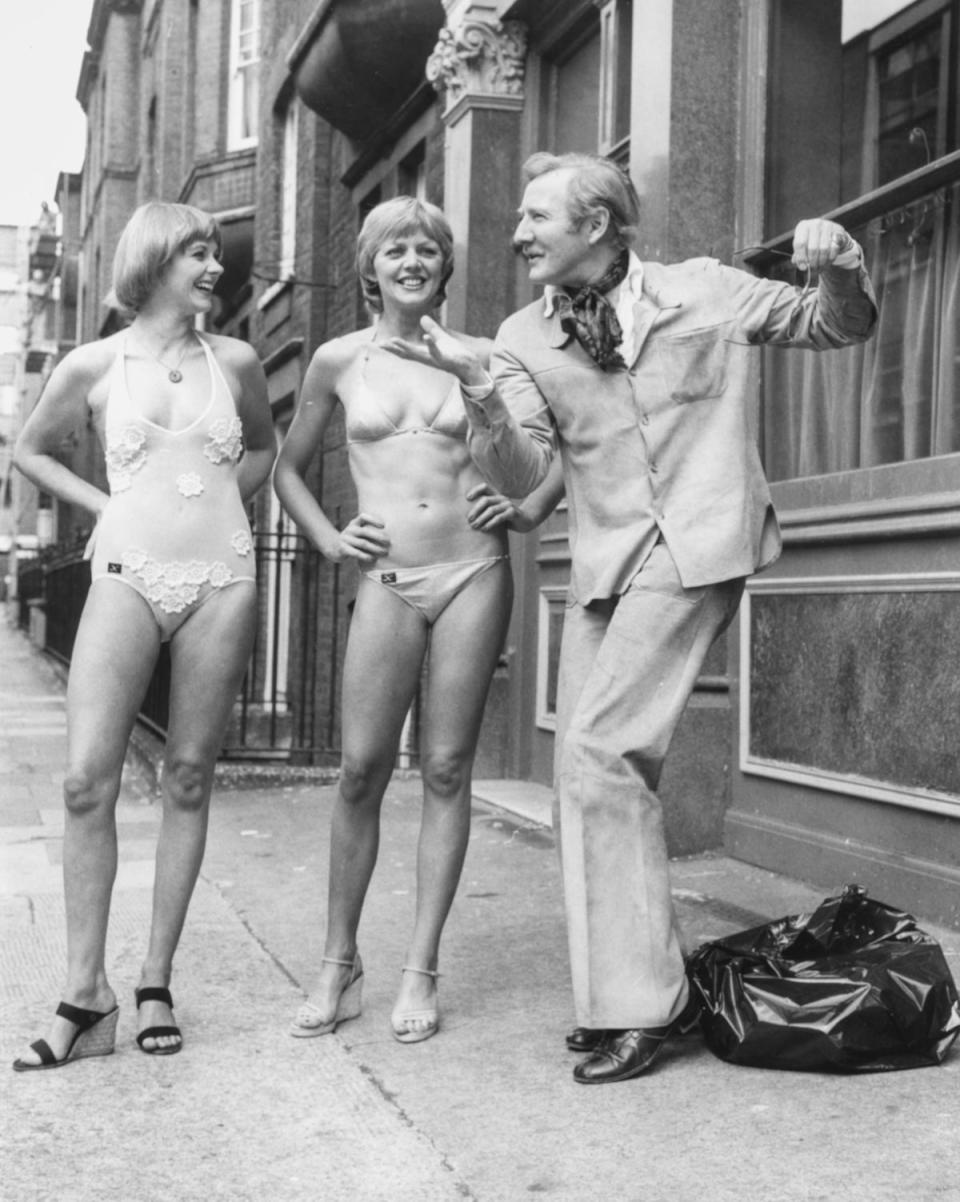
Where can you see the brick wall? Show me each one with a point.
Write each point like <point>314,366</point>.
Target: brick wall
<point>174,57</point>
<point>299,310</point>
<point>210,87</point>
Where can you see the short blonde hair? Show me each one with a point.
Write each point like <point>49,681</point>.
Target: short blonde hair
<point>391,219</point>
<point>155,233</point>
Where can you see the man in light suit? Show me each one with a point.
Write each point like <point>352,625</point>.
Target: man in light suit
<point>637,374</point>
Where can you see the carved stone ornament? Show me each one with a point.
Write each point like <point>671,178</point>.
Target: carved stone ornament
<point>480,59</point>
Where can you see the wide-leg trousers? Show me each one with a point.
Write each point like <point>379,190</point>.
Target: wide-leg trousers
<point>627,668</point>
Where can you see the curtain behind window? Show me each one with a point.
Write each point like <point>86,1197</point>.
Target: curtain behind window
<point>897,397</point>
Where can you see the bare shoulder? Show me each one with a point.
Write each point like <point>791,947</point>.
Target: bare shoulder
<point>339,353</point>
<point>82,376</point>
<point>232,352</point>
<point>85,365</point>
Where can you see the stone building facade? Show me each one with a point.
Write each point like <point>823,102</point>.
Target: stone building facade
<point>823,737</point>
<point>735,119</point>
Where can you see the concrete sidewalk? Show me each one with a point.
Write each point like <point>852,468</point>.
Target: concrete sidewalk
<point>486,1110</point>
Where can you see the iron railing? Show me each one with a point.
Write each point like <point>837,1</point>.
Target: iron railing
<point>288,704</point>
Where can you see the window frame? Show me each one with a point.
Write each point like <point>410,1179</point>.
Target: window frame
<point>244,73</point>
<point>289,171</point>
<point>615,30</point>
<point>900,28</point>
<point>921,477</point>
<point>551,603</point>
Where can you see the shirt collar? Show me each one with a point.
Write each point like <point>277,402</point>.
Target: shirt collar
<point>633,281</point>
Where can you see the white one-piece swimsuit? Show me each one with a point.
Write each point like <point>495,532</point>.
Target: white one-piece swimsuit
<point>174,529</point>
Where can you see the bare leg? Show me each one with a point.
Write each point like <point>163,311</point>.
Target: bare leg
<point>465,644</point>
<point>382,667</point>
<point>209,655</point>
<point>113,658</point>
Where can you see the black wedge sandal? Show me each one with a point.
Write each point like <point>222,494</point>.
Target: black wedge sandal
<point>157,993</point>
<point>96,1036</point>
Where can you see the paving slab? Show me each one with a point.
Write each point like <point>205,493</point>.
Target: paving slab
<point>244,1113</point>
<point>487,1110</point>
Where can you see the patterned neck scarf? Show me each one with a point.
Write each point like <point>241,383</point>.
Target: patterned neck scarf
<point>591,319</point>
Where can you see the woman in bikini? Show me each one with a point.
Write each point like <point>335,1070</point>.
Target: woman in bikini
<point>431,547</point>
<point>187,436</point>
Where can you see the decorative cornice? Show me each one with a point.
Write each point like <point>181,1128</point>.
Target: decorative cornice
<point>479,58</point>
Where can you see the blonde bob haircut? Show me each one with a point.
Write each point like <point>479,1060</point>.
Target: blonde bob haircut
<point>394,219</point>
<point>153,236</point>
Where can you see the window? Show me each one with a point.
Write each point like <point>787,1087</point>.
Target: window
<point>617,33</point>
<point>585,78</point>
<point>279,542</point>
<point>244,73</point>
<point>190,99</point>
<point>288,198</point>
<point>550,630</point>
<point>910,111</point>
<point>102,148</point>
<point>571,105</point>
<point>886,144</point>
<point>149,187</point>
<point>585,101</point>
<point>412,173</point>
<point>368,202</point>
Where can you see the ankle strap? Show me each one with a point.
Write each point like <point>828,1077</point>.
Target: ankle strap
<point>426,972</point>
<point>344,963</point>
<point>153,993</point>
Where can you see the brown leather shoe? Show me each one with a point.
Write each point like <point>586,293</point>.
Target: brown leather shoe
<point>623,1055</point>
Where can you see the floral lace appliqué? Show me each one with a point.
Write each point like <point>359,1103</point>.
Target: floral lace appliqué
<point>241,543</point>
<point>189,484</point>
<point>125,456</point>
<point>225,440</point>
<point>174,586</point>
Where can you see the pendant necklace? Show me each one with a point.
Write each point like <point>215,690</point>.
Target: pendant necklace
<point>174,374</point>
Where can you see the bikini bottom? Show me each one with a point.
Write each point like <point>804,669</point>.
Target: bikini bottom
<point>172,607</point>
<point>431,588</point>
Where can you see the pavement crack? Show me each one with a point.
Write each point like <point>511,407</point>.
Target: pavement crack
<point>252,933</point>
<point>390,1098</point>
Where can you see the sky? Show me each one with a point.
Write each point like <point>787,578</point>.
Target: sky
<point>865,14</point>
<point>42,130</point>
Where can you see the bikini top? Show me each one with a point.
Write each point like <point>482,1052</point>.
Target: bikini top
<point>368,421</point>
<point>137,448</point>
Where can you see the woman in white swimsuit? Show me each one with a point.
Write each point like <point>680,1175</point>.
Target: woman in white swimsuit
<point>431,546</point>
<point>187,436</point>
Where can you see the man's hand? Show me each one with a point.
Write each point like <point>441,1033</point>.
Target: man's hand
<point>441,349</point>
<point>818,242</point>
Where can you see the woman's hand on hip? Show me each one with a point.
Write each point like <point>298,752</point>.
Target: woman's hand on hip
<point>491,509</point>
<point>363,539</point>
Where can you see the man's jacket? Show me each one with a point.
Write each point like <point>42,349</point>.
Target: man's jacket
<point>667,445</point>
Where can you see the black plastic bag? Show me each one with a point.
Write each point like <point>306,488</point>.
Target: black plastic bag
<point>854,987</point>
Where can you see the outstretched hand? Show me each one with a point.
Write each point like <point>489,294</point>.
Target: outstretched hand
<point>818,242</point>
<point>441,349</point>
